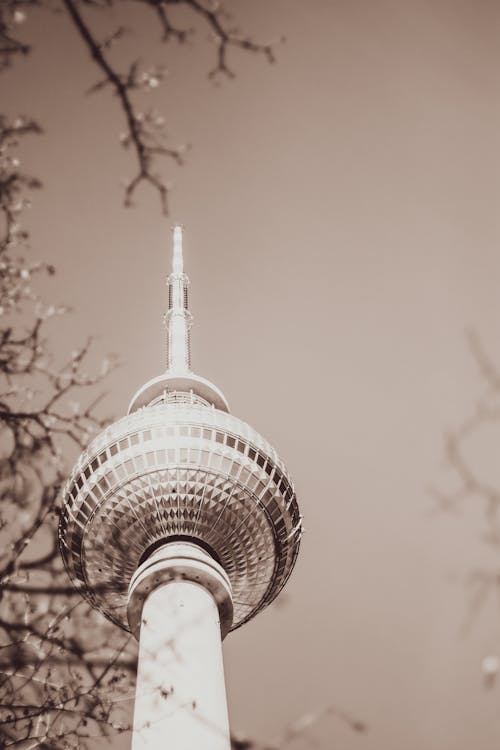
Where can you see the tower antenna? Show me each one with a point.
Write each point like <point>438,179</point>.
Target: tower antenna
<point>178,319</point>
<point>177,260</point>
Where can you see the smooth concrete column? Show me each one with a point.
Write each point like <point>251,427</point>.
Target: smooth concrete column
<point>180,695</point>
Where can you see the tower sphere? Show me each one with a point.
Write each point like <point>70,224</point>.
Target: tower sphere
<point>179,467</point>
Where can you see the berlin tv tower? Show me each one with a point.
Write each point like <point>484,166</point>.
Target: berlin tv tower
<point>179,524</point>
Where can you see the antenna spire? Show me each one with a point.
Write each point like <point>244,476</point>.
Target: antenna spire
<point>178,318</point>
<point>177,260</point>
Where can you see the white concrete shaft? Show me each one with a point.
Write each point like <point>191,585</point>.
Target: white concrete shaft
<point>180,696</point>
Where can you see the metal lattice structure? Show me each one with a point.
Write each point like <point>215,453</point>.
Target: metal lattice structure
<point>179,467</point>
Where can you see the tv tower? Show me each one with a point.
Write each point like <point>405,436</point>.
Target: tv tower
<point>179,524</point>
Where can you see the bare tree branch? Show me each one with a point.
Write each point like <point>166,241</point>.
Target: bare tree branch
<point>470,483</point>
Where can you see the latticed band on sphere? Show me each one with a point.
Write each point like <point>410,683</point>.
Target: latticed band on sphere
<point>180,470</point>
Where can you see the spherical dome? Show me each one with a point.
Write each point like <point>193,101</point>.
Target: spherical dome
<point>179,471</point>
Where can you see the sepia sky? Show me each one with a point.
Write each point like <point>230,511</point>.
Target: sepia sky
<point>341,235</point>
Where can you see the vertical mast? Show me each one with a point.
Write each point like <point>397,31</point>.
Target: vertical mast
<point>178,318</point>
<point>178,376</point>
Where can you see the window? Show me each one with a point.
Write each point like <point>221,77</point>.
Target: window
<point>103,484</point>
<point>96,492</point>
<point>120,472</point>
<point>226,465</point>
<point>139,462</point>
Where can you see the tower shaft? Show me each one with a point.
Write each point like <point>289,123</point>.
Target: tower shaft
<point>180,695</point>
<point>178,599</point>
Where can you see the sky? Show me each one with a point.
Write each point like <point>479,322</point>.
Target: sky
<point>341,236</point>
